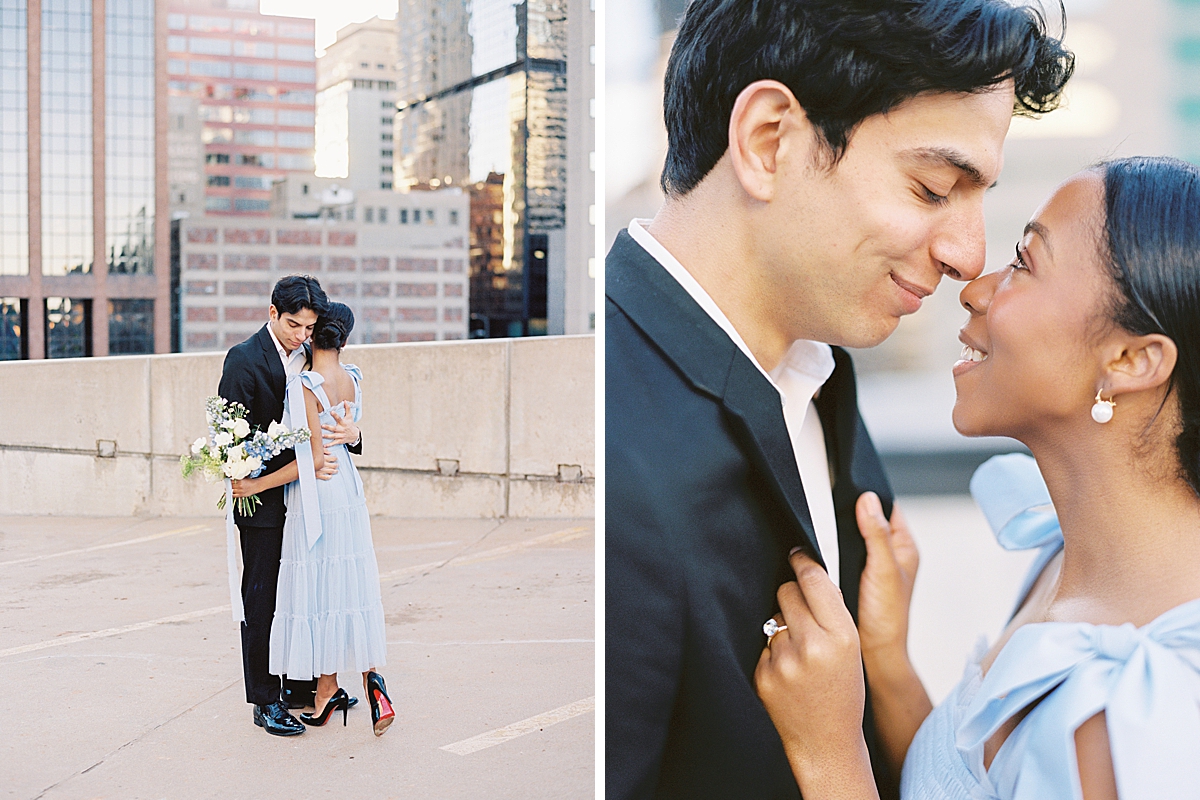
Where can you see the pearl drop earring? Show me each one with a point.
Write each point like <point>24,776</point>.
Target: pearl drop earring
<point>1102,411</point>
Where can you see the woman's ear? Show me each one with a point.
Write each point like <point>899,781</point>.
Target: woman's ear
<point>1142,363</point>
<point>766,124</point>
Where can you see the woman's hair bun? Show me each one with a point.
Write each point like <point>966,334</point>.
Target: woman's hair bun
<point>333,327</point>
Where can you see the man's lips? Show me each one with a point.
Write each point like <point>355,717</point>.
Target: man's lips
<point>911,295</point>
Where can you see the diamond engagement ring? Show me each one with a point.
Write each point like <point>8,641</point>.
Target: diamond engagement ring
<point>770,628</point>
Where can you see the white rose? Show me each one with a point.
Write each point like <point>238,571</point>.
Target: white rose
<point>198,445</point>
<point>229,468</point>
<point>229,423</point>
<point>235,453</point>
<point>223,439</point>
<point>253,462</point>
<point>241,429</point>
<point>276,429</point>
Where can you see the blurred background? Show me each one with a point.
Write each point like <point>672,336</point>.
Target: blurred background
<point>1134,92</point>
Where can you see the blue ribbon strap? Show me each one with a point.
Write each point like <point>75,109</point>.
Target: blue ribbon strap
<point>304,461</point>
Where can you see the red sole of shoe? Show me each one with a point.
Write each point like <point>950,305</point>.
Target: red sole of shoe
<point>383,724</point>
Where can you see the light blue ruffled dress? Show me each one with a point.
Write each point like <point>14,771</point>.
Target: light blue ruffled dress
<point>1146,680</point>
<point>328,610</point>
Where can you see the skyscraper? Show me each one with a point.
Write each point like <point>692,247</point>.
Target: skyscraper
<point>356,103</point>
<point>253,78</point>
<point>82,207</point>
<point>482,103</point>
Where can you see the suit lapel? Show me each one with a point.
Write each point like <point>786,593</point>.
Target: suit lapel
<point>688,337</point>
<point>274,365</point>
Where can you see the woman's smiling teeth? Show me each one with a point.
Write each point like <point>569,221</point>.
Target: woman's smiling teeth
<point>971,354</point>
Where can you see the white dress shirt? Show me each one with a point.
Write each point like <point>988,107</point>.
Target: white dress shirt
<point>798,377</point>
<point>293,362</point>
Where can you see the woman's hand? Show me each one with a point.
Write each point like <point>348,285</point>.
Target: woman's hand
<point>885,590</point>
<point>246,487</point>
<point>810,679</point>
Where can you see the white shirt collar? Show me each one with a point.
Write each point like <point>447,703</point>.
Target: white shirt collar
<point>284,356</point>
<point>806,365</point>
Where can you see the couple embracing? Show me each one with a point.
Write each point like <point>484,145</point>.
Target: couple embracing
<point>310,582</point>
<point>826,168</point>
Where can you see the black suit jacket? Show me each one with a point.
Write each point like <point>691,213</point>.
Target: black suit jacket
<point>254,376</point>
<point>703,504</point>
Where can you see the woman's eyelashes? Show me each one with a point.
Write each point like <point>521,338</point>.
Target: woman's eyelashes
<point>1018,261</point>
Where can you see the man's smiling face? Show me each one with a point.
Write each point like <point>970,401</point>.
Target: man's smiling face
<point>855,247</point>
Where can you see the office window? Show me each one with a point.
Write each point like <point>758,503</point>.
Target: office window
<point>66,137</point>
<point>256,72</point>
<point>216,158</point>
<point>129,133</point>
<point>130,327</point>
<point>251,204</point>
<point>299,97</point>
<point>216,204</point>
<point>297,74</point>
<point>296,52</point>
<point>453,216</point>
<point>300,118</point>
<point>68,324</point>
<point>209,24</point>
<point>210,47</point>
<point>416,216</point>
<point>14,142</point>
<point>218,180</point>
<point>383,215</point>
<point>254,49</point>
<point>14,343</point>
<point>368,214</point>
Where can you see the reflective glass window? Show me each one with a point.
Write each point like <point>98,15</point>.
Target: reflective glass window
<point>130,326</point>
<point>210,47</point>
<point>129,127</point>
<point>256,72</point>
<point>14,341</point>
<point>68,326</point>
<point>298,74</point>
<point>296,52</point>
<point>14,140</point>
<point>210,69</point>
<point>67,245</point>
<point>302,118</point>
<point>292,30</point>
<point>254,49</point>
<point>251,204</point>
<point>295,139</point>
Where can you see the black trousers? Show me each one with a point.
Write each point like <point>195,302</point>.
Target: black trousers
<point>261,551</point>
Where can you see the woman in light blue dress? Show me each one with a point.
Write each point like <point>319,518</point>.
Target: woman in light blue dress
<point>328,611</point>
<point>1086,348</point>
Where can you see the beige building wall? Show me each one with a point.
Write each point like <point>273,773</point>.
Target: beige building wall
<point>458,429</point>
<point>399,260</point>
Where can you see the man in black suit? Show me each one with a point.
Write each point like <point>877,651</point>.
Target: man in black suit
<point>826,166</point>
<point>255,374</point>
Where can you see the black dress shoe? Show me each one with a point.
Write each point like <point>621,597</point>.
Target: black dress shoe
<point>295,699</point>
<point>275,720</point>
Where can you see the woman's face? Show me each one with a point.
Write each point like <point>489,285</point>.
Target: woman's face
<point>1034,365</point>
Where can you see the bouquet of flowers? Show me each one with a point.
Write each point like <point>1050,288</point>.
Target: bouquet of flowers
<point>233,451</point>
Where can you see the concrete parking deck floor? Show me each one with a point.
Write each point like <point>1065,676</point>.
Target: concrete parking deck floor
<point>122,672</point>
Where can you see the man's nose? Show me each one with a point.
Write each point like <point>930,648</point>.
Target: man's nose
<point>960,245</point>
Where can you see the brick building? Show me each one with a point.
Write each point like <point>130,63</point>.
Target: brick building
<point>399,260</point>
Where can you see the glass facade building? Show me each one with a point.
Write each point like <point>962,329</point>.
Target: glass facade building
<point>81,199</point>
<point>482,103</point>
<point>253,79</point>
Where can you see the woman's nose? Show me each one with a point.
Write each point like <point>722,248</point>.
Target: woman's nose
<point>976,296</point>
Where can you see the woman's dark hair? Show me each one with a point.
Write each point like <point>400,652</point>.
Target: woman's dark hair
<point>1152,239</point>
<point>845,60</point>
<point>333,327</point>
<point>296,292</point>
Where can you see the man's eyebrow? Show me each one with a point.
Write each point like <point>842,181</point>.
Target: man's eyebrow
<point>1041,230</point>
<point>947,156</point>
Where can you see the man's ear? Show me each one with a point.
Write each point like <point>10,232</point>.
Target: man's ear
<point>272,313</point>
<point>766,125</point>
<point>1141,363</point>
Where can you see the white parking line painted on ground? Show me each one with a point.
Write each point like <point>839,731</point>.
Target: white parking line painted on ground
<point>558,537</point>
<point>137,626</point>
<point>509,732</point>
<point>94,548</point>
<point>495,641</point>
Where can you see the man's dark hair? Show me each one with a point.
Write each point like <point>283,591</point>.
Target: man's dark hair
<point>845,60</point>
<point>296,292</point>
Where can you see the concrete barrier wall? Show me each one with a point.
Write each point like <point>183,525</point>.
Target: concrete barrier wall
<point>498,428</point>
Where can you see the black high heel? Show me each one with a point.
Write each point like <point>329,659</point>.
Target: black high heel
<point>382,713</point>
<point>339,700</point>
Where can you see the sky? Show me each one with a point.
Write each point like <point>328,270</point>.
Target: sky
<point>331,16</point>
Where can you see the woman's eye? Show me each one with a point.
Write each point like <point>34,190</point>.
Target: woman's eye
<point>1019,260</point>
